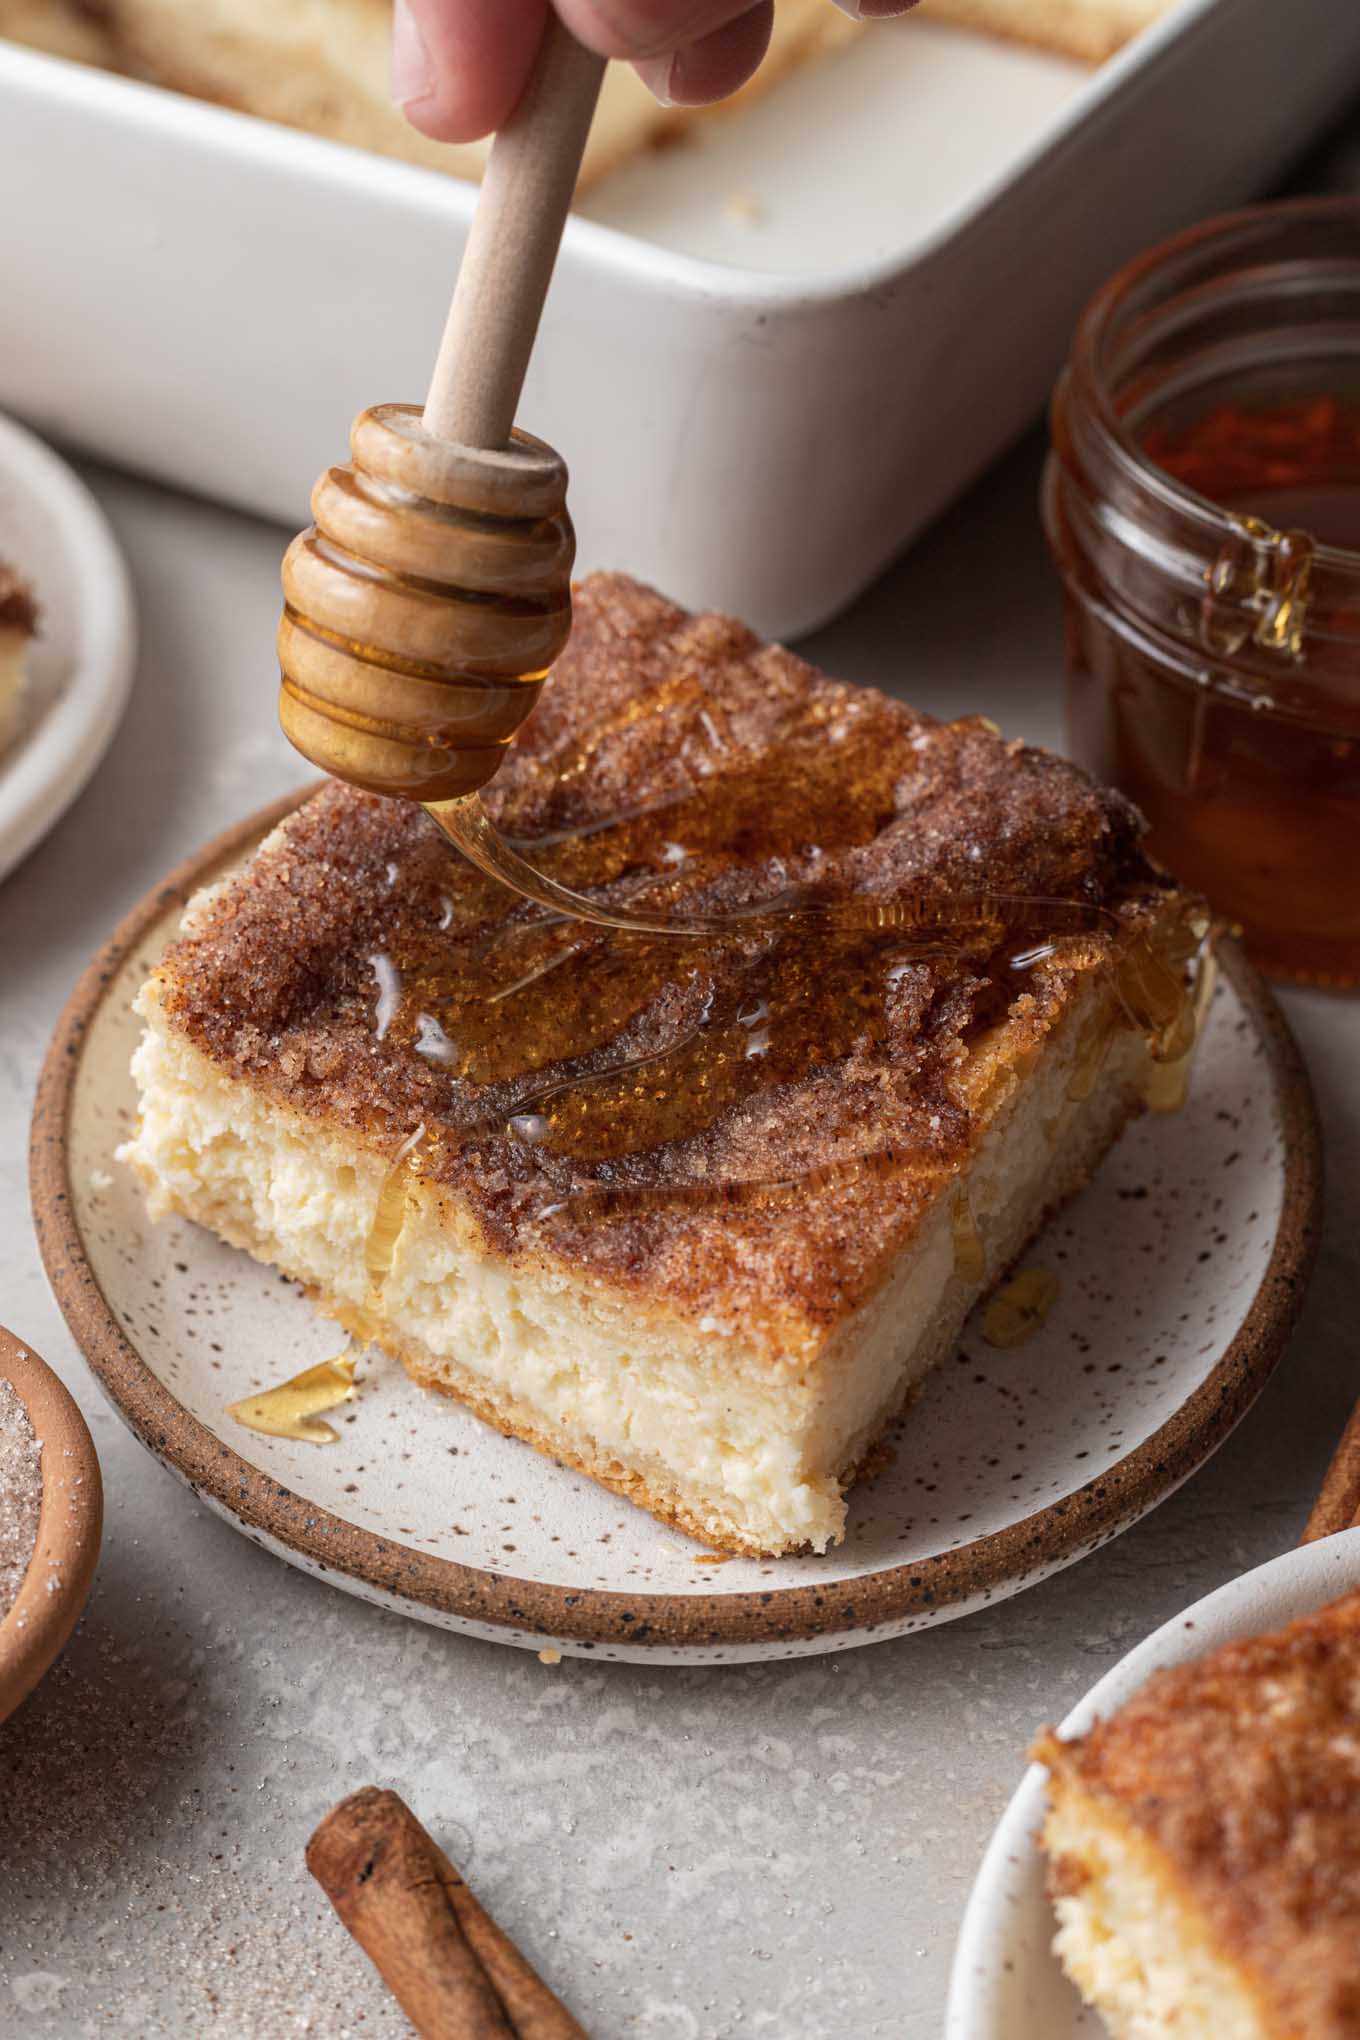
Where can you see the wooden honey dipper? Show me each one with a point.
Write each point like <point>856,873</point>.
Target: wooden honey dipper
<point>426,603</point>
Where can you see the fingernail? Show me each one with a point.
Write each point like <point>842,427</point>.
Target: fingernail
<point>657,74</point>
<point>874,10</point>
<point>412,72</point>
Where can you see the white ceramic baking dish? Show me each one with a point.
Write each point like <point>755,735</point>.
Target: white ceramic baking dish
<point>770,358</point>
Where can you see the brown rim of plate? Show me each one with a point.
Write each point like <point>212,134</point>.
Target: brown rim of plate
<point>1052,1536</point>
<point>70,1520</point>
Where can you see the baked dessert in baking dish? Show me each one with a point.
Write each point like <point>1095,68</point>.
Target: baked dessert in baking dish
<point>1090,30</point>
<point>695,1216</point>
<point>1204,1843</point>
<point>63,28</point>
<point>323,65</point>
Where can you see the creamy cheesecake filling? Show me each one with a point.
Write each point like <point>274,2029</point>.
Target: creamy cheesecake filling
<point>1134,1949</point>
<point>746,1445</point>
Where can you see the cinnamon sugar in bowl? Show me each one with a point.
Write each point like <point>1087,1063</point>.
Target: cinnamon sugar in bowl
<point>51,1515</point>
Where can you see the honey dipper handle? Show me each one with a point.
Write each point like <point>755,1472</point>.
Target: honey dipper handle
<point>512,247</point>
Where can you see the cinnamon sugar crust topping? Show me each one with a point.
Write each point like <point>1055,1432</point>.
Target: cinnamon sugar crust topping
<point>1244,1771</point>
<point>754,1123</point>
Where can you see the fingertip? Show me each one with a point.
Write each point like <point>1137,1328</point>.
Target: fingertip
<point>600,28</point>
<point>646,31</point>
<point>720,63</point>
<point>459,67</point>
<point>453,117</point>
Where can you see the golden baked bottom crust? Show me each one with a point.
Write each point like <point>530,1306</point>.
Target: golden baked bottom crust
<point>1242,1774</point>
<point>678,756</point>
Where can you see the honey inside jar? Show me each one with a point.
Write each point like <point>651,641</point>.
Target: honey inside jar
<point>1203,505</point>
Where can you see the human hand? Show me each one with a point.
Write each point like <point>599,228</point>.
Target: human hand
<point>459,66</point>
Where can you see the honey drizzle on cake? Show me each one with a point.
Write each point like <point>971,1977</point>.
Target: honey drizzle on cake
<point>780,988</point>
<point>389,1219</point>
<point>970,1256</point>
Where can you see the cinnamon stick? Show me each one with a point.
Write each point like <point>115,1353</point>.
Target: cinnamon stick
<point>452,1970</point>
<point>1338,1503</point>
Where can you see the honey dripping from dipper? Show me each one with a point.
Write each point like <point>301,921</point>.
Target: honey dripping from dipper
<point>600,1045</point>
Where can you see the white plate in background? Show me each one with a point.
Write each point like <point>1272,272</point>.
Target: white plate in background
<point>1006,1982</point>
<point>80,665</point>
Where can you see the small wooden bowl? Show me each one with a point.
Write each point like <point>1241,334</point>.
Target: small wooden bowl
<point>57,1582</point>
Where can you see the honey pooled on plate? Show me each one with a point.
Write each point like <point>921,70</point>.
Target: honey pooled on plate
<point>294,1408</point>
<point>1020,1307</point>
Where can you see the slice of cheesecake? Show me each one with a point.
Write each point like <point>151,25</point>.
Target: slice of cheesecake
<point>1204,1844</point>
<point>18,625</point>
<point>695,1216</point>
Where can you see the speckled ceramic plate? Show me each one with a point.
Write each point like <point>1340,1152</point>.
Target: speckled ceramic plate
<point>1181,1268</point>
<point>1006,1982</point>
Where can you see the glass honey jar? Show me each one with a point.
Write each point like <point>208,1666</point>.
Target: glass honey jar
<point>1202,502</point>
